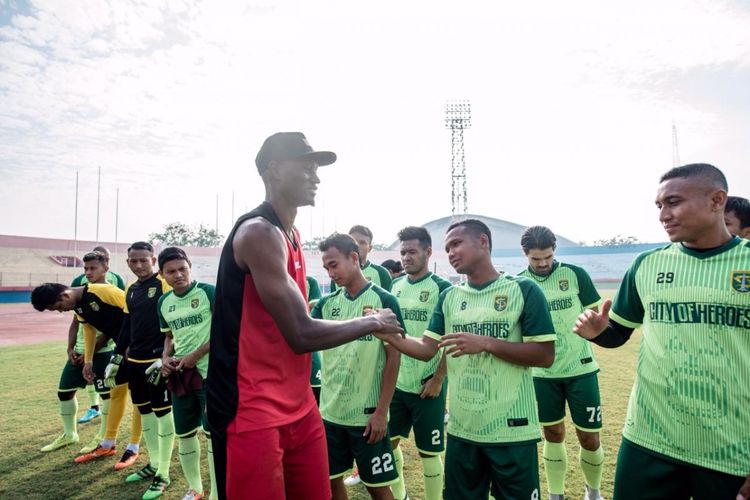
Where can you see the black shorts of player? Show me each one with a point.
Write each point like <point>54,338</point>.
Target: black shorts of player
<point>472,470</point>
<point>375,462</point>
<point>144,393</point>
<point>189,412</point>
<point>427,416</point>
<point>643,474</point>
<point>71,377</point>
<point>582,395</point>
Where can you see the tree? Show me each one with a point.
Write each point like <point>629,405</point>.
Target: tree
<point>616,241</point>
<point>179,234</point>
<point>312,244</point>
<point>207,237</point>
<point>176,233</point>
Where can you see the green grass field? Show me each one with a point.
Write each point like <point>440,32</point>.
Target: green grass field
<point>29,420</point>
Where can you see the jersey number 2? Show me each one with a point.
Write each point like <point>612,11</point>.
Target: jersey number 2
<point>386,465</point>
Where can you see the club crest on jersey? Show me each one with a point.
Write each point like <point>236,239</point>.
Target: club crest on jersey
<point>367,310</point>
<point>501,302</point>
<point>194,303</point>
<point>152,292</point>
<point>424,295</point>
<point>94,306</point>
<point>741,281</point>
<point>564,285</point>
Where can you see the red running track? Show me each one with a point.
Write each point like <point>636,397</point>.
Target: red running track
<point>22,324</point>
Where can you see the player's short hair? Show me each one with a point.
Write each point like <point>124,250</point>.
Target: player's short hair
<point>342,242</point>
<point>141,245</point>
<point>97,256</point>
<point>46,295</point>
<point>538,237</point>
<point>361,230</point>
<point>416,233</point>
<point>741,208</point>
<point>708,172</point>
<point>102,250</point>
<point>474,226</point>
<point>393,266</point>
<point>172,253</point>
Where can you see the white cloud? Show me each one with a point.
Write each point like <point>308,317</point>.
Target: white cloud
<point>173,98</point>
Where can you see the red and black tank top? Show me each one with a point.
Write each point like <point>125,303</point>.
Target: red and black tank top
<point>255,380</point>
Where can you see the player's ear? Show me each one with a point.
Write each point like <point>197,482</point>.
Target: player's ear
<point>484,242</point>
<point>428,251</point>
<point>719,201</point>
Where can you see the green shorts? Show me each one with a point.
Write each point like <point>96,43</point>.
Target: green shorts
<point>72,379</point>
<point>582,395</point>
<point>427,416</point>
<point>189,412</point>
<point>658,476</point>
<point>375,462</point>
<point>471,469</point>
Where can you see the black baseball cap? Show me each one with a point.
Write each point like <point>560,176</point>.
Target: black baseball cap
<point>287,146</point>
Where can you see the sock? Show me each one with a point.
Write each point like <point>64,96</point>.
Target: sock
<point>93,396</point>
<point>166,443</point>
<point>591,465</point>
<point>399,488</point>
<point>104,410</point>
<point>433,477</point>
<point>117,400</point>
<point>134,447</point>
<point>136,429</point>
<point>68,411</point>
<point>151,437</point>
<point>212,470</point>
<point>190,459</point>
<point>108,443</point>
<point>555,464</point>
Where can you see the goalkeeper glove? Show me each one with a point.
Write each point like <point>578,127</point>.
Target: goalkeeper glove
<point>154,372</point>
<point>111,370</point>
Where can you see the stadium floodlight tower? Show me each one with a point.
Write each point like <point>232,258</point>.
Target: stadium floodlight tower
<point>458,118</point>
<point>675,147</point>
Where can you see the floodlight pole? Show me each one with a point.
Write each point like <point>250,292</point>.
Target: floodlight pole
<point>98,198</point>
<point>117,226</point>
<point>75,228</point>
<point>458,118</point>
<point>675,147</point>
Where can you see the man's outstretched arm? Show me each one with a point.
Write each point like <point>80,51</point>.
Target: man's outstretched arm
<point>260,249</point>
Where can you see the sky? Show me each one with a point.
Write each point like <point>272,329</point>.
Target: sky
<point>572,110</point>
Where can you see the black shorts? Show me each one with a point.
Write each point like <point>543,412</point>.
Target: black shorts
<point>71,377</point>
<point>144,393</point>
<point>644,474</point>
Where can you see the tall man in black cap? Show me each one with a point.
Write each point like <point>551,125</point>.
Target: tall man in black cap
<point>269,440</point>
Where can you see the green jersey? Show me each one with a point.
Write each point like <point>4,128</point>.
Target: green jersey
<point>313,290</point>
<point>313,295</point>
<point>353,372</point>
<point>112,278</point>
<point>188,317</point>
<point>569,291</point>
<point>491,400</point>
<point>375,273</point>
<point>691,394</point>
<point>417,300</point>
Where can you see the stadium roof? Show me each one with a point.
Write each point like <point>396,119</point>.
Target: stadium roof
<point>504,234</point>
